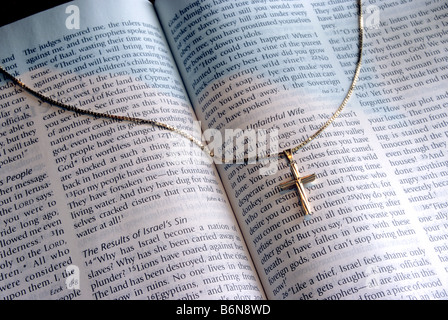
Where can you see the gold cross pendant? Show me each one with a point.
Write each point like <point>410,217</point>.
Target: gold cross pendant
<point>298,182</point>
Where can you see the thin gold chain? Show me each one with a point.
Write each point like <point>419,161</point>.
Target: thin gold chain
<point>188,136</point>
<point>106,115</point>
<point>350,90</point>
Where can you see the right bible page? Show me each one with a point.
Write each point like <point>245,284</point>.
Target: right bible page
<point>281,69</point>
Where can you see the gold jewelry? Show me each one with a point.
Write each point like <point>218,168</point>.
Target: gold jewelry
<point>297,181</point>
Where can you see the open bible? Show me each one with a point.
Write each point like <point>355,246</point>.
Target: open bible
<point>92,208</point>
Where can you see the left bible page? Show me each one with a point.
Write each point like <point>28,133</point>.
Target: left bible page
<point>99,209</point>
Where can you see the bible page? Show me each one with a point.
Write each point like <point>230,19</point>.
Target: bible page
<point>379,201</point>
<point>99,209</point>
